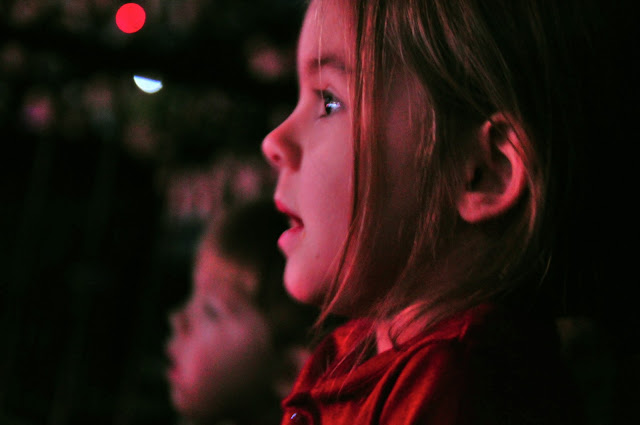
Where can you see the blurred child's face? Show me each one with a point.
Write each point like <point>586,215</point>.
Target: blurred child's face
<point>219,340</point>
<point>313,153</point>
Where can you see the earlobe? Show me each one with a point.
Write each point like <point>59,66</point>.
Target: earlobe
<point>495,171</point>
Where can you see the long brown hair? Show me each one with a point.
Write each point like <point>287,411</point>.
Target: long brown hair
<point>469,59</point>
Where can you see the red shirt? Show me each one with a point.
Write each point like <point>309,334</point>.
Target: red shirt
<point>478,367</point>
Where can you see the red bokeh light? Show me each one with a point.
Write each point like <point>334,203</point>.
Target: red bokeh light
<point>130,17</point>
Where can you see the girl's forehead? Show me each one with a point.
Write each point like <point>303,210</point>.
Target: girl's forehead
<point>326,38</point>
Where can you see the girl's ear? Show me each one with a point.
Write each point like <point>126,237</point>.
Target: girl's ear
<point>495,173</point>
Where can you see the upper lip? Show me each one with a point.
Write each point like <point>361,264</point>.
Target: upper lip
<point>280,206</point>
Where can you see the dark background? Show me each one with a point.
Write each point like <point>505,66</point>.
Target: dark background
<point>104,188</point>
<point>101,186</point>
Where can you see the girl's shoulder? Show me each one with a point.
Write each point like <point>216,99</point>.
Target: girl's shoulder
<point>346,359</point>
<point>502,358</point>
<point>352,334</point>
<point>501,364</point>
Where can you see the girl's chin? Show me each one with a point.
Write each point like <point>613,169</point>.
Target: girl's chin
<point>301,289</point>
<point>312,292</point>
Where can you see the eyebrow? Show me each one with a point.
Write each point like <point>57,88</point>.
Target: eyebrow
<point>333,61</point>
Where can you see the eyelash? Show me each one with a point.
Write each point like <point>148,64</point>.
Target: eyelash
<point>329,99</point>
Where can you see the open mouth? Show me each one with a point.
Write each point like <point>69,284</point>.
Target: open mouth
<point>293,235</point>
<point>294,220</point>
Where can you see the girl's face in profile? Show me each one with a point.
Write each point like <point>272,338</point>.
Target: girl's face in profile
<point>313,152</point>
<point>219,341</point>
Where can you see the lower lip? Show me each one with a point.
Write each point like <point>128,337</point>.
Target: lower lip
<point>290,238</point>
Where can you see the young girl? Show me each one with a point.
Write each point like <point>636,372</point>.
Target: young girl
<point>428,174</point>
<point>236,342</point>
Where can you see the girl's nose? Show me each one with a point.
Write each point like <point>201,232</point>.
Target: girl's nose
<point>280,146</point>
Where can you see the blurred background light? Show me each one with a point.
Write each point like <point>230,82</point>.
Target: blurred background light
<point>147,85</point>
<point>130,18</point>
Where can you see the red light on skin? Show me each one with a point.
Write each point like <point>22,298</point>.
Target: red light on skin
<point>130,17</point>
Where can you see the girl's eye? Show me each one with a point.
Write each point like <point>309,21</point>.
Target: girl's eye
<point>330,104</point>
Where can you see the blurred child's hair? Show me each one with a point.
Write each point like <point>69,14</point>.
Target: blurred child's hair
<point>247,234</point>
<point>469,59</point>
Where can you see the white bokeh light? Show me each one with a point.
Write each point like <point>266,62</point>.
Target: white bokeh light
<point>147,85</point>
